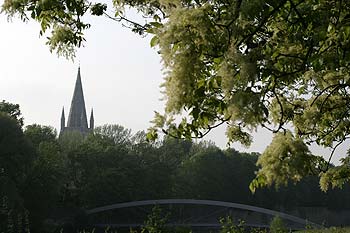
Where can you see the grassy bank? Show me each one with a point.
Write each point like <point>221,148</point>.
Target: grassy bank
<point>327,230</point>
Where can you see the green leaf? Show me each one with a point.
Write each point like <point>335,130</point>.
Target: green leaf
<point>154,41</point>
<point>156,24</point>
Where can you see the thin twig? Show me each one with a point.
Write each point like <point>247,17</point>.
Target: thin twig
<point>121,18</point>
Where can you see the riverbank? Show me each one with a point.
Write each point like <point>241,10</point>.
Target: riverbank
<point>327,230</point>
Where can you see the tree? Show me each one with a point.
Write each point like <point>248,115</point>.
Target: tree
<point>117,134</point>
<point>203,176</point>
<point>276,64</point>
<point>44,184</point>
<point>47,176</point>
<point>12,110</point>
<point>16,153</point>
<point>277,225</point>
<point>71,140</point>
<point>40,133</point>
<point>16,157</point>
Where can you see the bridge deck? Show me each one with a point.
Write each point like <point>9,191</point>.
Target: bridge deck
<point>296,222</point>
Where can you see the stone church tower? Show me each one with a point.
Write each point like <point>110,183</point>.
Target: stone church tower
<point>77,120</point>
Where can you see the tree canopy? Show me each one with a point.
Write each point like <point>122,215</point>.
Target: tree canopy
<point>12,110</point>
<point>277,64</point>
<point>46,182</point>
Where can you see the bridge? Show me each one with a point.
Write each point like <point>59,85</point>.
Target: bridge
<point>190,213</point>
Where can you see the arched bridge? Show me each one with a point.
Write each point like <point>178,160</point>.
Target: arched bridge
<point>188,213</point>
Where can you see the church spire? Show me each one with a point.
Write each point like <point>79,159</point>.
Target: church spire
<point>77,115</point>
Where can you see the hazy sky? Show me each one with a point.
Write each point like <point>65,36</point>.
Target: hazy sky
<point>120,73</point>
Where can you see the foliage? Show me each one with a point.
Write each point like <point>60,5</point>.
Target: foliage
<point>201,176</point>
<point>62,18</point>
<point>229,226</point>
<point>70,140</point>
<point>16,157</point>
<point>16,153</point>
<point>155,222</point>
<point>336,176</point>
<point>327,230</point>
<point>12,220</point>
<point>249,64</point>
<point>31,172</point>
<point>54,178</point>
<point>13,110</point>
<point>116,133</point>
<point>286,158</point>
<point>277,225</point>
<point>39,133</point>
<point>44,183</point>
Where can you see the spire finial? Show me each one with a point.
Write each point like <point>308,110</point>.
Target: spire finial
<point>78,76</point>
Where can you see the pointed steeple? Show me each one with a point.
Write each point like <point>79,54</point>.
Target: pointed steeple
<point>63,120</point>
<point>77,115</point>
<point>92,119</point>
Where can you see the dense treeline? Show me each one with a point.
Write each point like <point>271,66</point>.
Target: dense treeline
<point>45,178</point>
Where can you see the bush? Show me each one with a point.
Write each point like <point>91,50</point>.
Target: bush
<point>277,225</point>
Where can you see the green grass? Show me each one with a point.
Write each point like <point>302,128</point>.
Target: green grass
<point>327,230</point>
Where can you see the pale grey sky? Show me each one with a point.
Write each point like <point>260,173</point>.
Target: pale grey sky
<point>121,75</point>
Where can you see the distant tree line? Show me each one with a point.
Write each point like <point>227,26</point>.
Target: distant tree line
<point>44,179</point>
